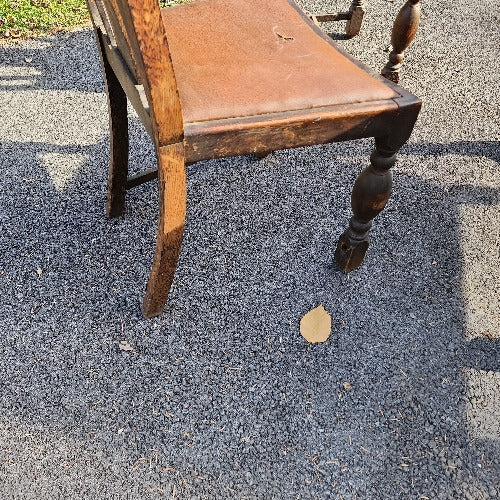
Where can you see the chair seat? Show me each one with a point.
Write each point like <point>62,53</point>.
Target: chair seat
<point>240,58</point>
<point>240,77</point>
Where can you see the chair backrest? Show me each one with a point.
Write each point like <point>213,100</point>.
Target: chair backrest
<point>136,28</point>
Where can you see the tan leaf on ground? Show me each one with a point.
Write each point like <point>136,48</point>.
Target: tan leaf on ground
<point>316,325</point>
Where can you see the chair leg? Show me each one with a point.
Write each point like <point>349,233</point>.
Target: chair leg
<point>357,12</point>
<point>370,195</point>
<point>118,132</point>
<point>260,156</point>
<point>403,32</point>
<point>172,214</point>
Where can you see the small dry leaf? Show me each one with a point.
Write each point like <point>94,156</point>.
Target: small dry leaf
<point>316,325</point>
<point>347,386</point>
<point>125,346</point>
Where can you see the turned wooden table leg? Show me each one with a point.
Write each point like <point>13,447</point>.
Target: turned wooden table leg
<point>403,33</point>
<point>370,194</point>
<point>172,214</point>
<point>118,138</point>
<point>357,12</point>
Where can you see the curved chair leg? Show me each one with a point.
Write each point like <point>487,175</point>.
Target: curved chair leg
<point>370,194</point>
<point>172,214</point>
<point>118,132</point>
<point>357,12</point>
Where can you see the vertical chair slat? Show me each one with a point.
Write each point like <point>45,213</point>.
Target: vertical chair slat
<point>119,33</point>
<point>145,31</point>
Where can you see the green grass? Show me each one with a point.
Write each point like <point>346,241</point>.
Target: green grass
<point>22,18</point>
<point>25,18</point>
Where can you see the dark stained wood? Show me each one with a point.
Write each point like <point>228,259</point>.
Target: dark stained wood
<point>117,59</point>
<point>118,137</point>
<point>239,136</point>
<point>403,33</point>
<point>115,31</point>
<point>137,180</point>
<point>172,214</point>
<point>373,187</point>
<point>399,127</point>
<point>134,91</point>
<point>137,65</point>
<point>369,196</point>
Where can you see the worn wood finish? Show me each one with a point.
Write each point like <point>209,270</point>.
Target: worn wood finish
<point>148,40</point>
<point>239,136</point>
<point>133,90</point>
<point>172,214</point>
<point>136,28</point>
<point>370,195</point>
<point>118,121</point>
<point>403,33</point>
<point>118,57</point>
<point>357,13</point>
<point>373,187</point>
<point>118,137</point>
<point>137,65</point>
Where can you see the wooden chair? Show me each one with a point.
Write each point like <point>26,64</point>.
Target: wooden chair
<point>218,78</point>
<point>354,17</point>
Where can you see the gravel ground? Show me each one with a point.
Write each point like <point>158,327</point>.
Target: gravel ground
<point>221,397</point>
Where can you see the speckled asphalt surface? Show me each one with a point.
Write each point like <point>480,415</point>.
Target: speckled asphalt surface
<point>221,397</point>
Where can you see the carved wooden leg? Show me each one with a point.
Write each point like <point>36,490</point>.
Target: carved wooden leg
<point>403,33</point>
<point>370,194</point>
<point>172,214</point>
<point>118,132</point>
<point>357,12</point>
